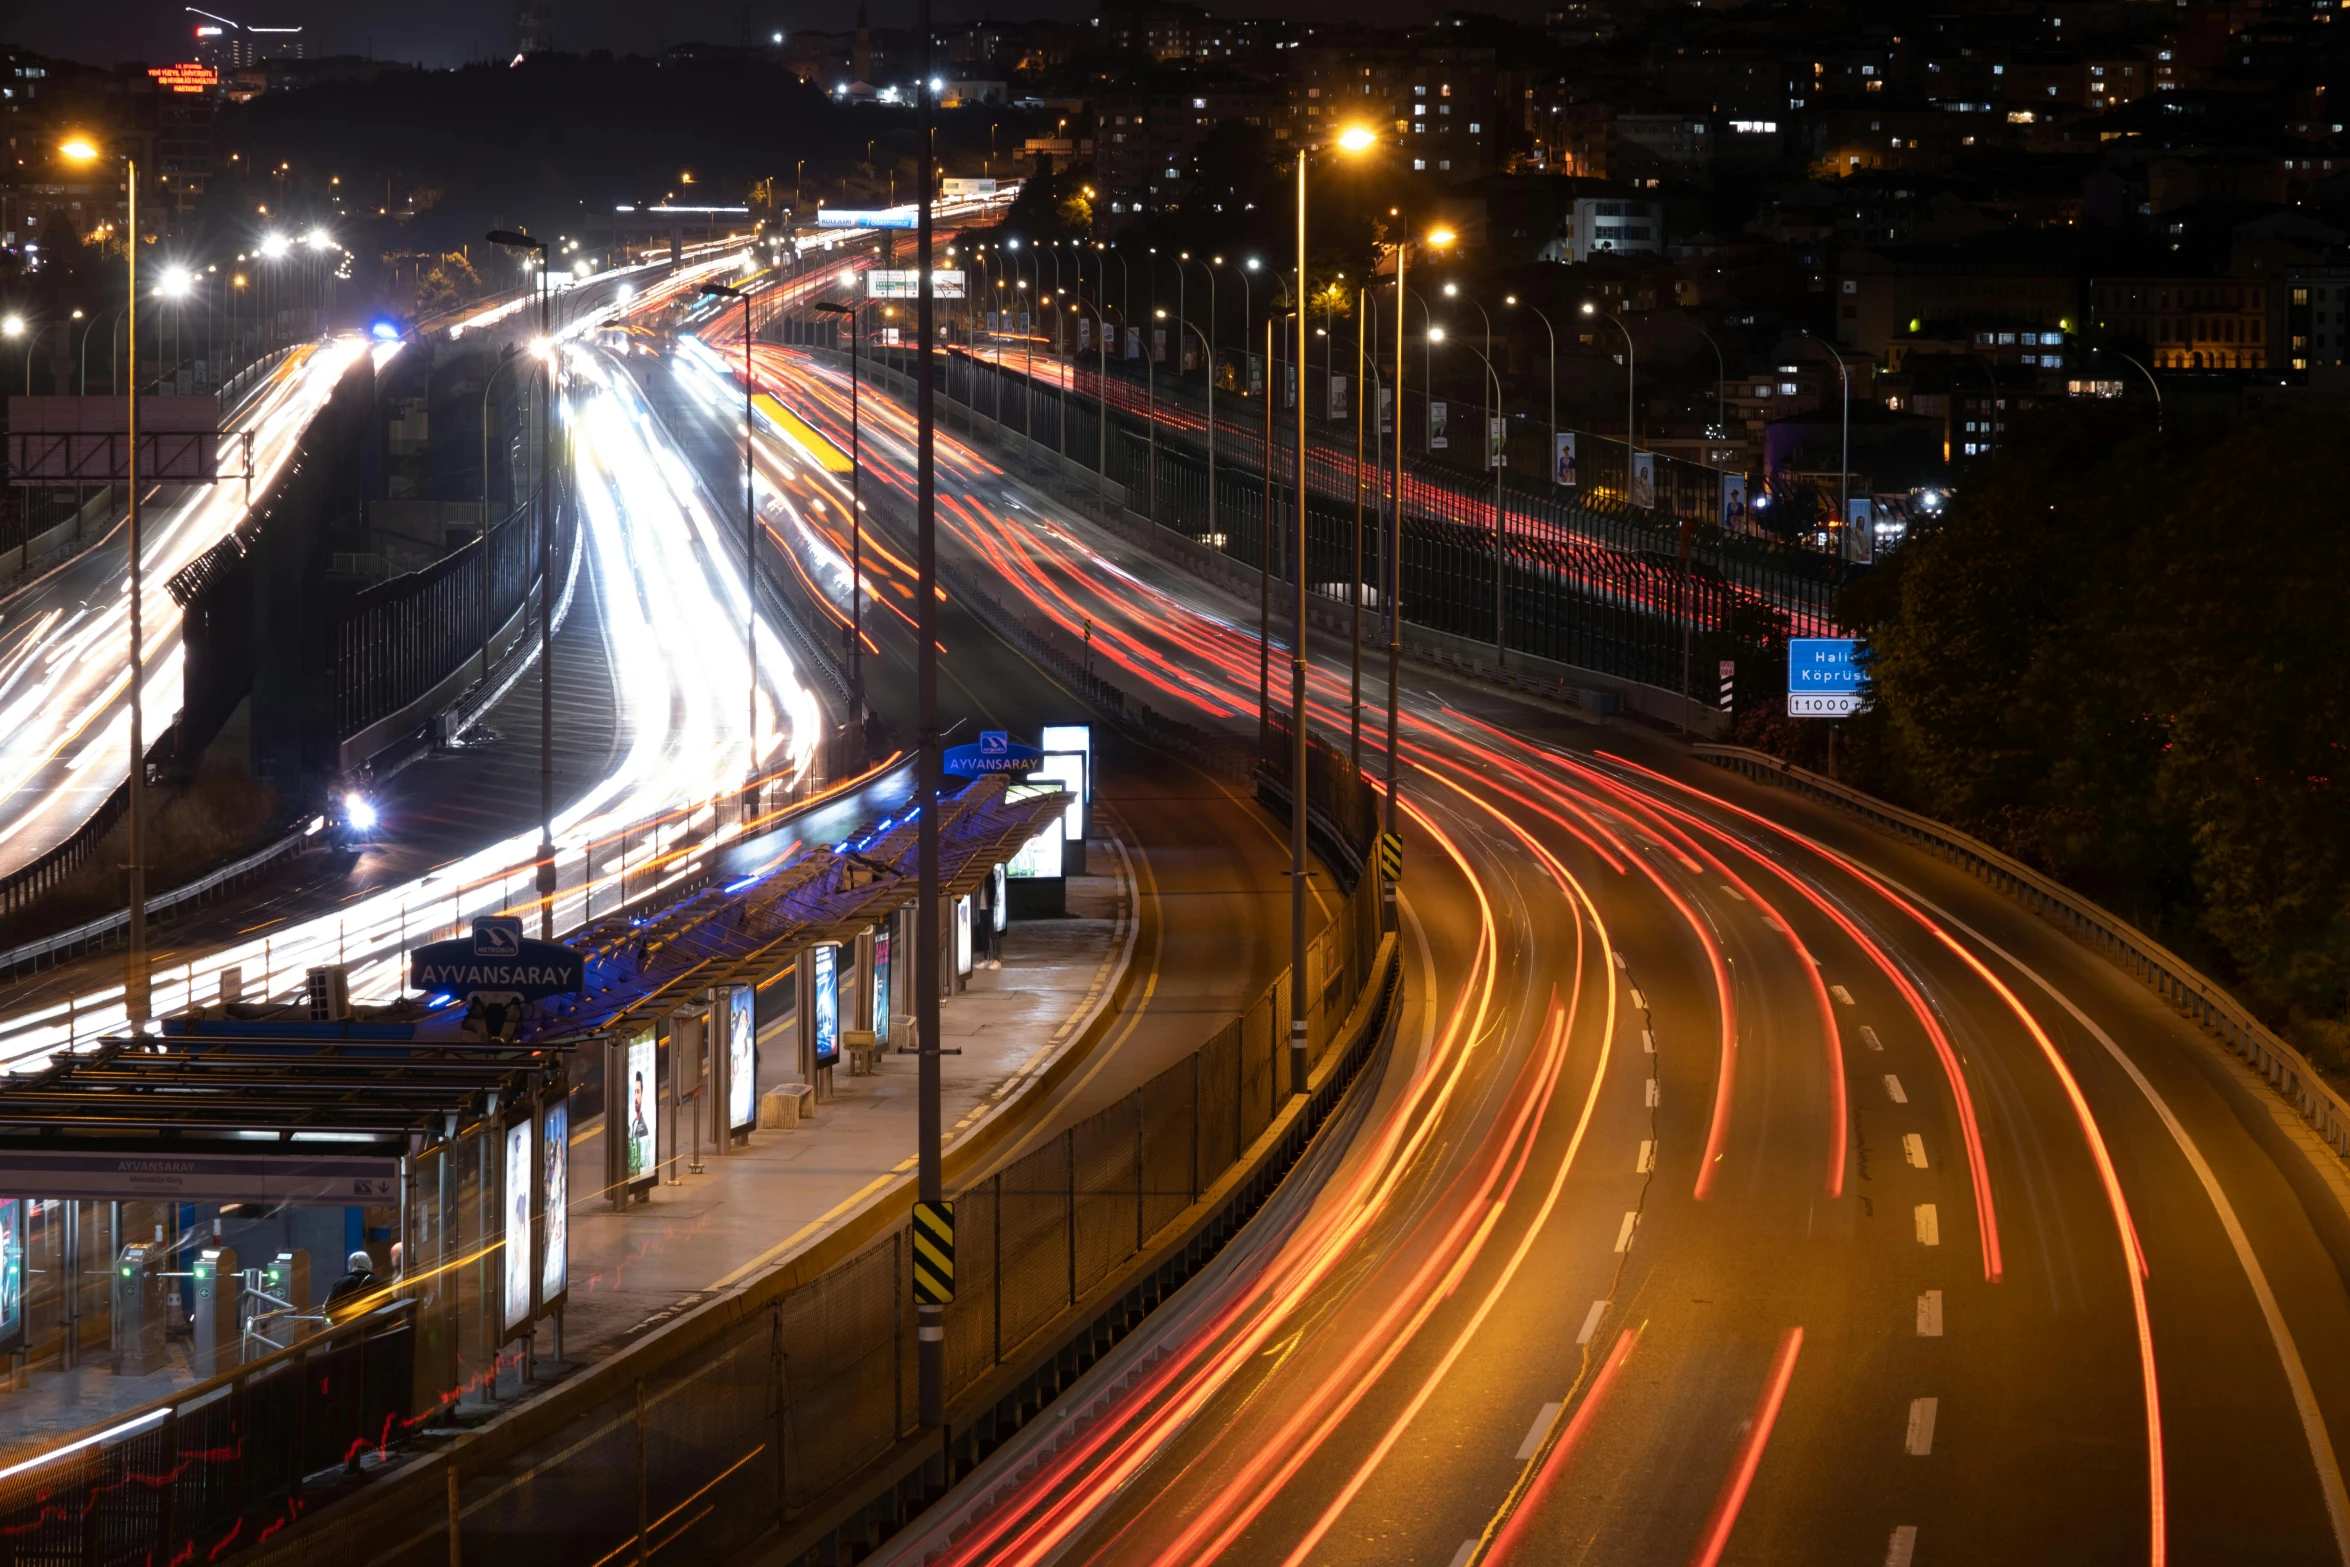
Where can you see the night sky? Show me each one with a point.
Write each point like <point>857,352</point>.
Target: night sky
<point>449,32</point>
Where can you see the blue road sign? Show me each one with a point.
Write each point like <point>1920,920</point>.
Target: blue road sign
<point>996,752</point>
<point>1824,677</point>
<point>497,957</point>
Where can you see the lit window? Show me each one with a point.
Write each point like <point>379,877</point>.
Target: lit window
<point>1419,163</point>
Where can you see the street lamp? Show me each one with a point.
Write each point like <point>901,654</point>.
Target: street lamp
<point>1208,348</point>
<point>750,548</point>
<point>511,239</point>
<point>1630,402</point>
<point>856,515</point>
<point>135,995</point>
<point>1844,455</point>
<point>1442,239</point>
<point>1552,333</point>
<point>1354,139</point>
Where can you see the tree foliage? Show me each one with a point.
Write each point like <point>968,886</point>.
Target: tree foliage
<point>2122,659</point>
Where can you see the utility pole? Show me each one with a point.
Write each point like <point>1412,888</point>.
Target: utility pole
<point>930,1320</point>
<point>1297,689</point>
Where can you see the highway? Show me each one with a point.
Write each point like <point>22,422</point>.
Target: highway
<point>1742,1186</point>
<point>65,636</point>
<point>663,563</point>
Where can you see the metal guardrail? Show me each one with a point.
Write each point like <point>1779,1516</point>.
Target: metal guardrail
<point>2161,970</point>
<point>102,930</point>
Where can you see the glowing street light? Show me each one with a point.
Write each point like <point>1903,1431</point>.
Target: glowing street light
<point>11,326</point>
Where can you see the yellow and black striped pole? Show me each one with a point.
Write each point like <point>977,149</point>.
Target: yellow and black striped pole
<point>934,1253</point>
<point>1391,856</point>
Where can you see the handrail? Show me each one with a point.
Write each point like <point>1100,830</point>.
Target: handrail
<point>2190,992</point>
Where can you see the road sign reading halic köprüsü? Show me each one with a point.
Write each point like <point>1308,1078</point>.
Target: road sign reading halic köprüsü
<point>1824,678</point>
<point>497,959</point>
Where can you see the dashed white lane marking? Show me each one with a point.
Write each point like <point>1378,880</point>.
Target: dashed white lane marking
<point>1920,1440</point>
<point>1646,1163</point>
<point>1930,1314</point>
<point>1639,1002</point>
<point>1648,1041</point>
<point>1913,1148</point>
<point>1624,1235</point>
<point>1929,1224</point>
<point>1620,963</point>
<point>1542,1420</point>
<point>1591,1321</point>
<point>1902,1546</point>
<point>1841,994</point>
<point>1734,892</point>
<point>1772,920</point>
<point>1468,1549</point>
<point>1652,1086</point>
<point>1893,1089</point>
<point>1868,1037</point>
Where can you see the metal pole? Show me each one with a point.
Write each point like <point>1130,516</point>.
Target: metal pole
<point>856,534</point>
<point>930,1325</point>
<point>134,995</point>
<point>1265,567</point>
<point>1354,586</point>
<point>1395,568</point>
<point>750,577</point>
<point>1297,692</point>
<point>546,875</point>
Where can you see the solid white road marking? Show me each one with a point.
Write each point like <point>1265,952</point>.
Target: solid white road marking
<point>1868,1037</point>
<point>1841,994</point>
<point>1893,1089</point>
<point>1913,1148</point>
<point>1930,1314</point>
<point>1591,1321</point>
<point>1734,892</point>
<point>1647,1160</point>
<point>1542,1420</point>
<point>1624,1235</point>
<point>1929,1224</point>
<point>1902,1546</point>
<point>2313,1424</point>
<point>1652,1093</point>
<point>1920,1440</point>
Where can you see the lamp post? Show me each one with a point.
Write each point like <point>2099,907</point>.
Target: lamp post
<point>1721,374</point>
<point>1844,453</point>
<point>514,240</point>
<point>930,1319</point>
<point>1630,403</point>
<point>856,518</point>
<point>1494,456</point>
<point>1441,238</point>
<point>1354,582</point>
<point>134,989</point>
<point>2150,381</point>
<point>1207,347</point>
<point>487,382</point>
<point>1353,139</point>
<point>750,549</point>
<point>1549,457</point>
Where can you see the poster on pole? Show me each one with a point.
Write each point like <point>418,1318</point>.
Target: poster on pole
<point>1387,410</point>
<point>1860,529</point>
<point>520,1167</point>
<point>1084,333</point>
<point>1643,492</point>
<point>1437,440</point>
<point>1134,342</point>
<point>1733,503</point>
<point>555,1199</point>
<point>1497,443</point>
<point>1256,375</point>
<point>1562,472</point>
<point>1158,345</point>
<point>1337,397</point>
<point>1289,386</point>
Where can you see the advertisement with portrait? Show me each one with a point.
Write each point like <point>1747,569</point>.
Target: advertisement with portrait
<point>881,976</point>
<point>1438,415</point>
<point>1563,462</point>
<point>521,1167</point>
<point>1733,503</point>
<point>742,1058</point>
<point>639,1111</point>
<point>1643,492</point>
<point>824,967</point>
<point>1337,397</point>
<point>555,1200</point>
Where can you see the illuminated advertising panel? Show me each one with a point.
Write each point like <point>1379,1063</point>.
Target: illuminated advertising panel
<point>742,1059</point>
<point>826,970</point>
<point>517,1209</point>
<point>881,987</point>
<point>12,1221</point>
<point>186,78</point>
<point>639,1109</point>
<point>555,1190</point>
<point>963,934</point>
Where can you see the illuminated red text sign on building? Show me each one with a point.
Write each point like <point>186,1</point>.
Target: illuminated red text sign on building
<point>185,78</point>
